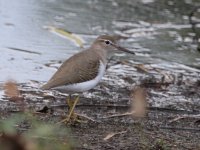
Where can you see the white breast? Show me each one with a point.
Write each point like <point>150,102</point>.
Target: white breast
<point>84,86</point>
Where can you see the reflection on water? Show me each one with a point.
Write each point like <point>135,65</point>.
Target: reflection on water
<point>158,27</point>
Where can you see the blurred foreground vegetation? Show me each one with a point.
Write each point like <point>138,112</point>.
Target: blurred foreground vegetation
<point>39,135</point>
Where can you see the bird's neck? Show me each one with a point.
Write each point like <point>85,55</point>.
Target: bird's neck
<point>100,53</point>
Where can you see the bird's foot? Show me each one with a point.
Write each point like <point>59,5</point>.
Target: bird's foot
<point>72,117</point>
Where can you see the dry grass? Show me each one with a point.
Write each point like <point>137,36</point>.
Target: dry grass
<point>11,89</point>
<point>139,102</point>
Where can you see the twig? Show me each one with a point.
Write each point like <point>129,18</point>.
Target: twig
<point>110,135</point>
<point>119,115</point>
<point>93,105</point>
<point>185,116</point>
<point>172,110</point>
<point>177,128</point>
<point>23,50</point>
<point>86,117</point>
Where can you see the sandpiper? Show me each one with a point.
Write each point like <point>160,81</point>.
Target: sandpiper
<point>84,70</point>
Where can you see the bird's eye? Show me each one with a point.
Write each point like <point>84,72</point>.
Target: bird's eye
<point>107,42</point>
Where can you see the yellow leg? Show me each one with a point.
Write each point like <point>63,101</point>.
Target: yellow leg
<point>71,108</point>
<point>71,105</point>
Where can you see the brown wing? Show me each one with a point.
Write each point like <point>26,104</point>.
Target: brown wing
<point>79,68</point>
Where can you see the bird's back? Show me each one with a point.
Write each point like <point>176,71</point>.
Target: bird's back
<point>80,67</point>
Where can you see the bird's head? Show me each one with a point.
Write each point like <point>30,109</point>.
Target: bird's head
<point>108,43</point>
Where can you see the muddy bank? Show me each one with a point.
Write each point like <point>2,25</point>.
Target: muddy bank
<point>171,122</point>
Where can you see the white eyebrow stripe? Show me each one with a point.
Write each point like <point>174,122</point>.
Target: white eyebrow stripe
<point>106,40</point>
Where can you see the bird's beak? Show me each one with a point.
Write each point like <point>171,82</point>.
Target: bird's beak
<point>122,49</point>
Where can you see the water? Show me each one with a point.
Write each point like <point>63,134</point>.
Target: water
<point>158,31</point>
